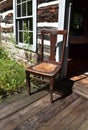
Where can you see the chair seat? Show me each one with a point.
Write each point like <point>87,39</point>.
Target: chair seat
<point>48,68</point>
<point>45,67</point>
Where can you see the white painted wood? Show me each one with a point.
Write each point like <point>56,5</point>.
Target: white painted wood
<point>34,25</point>
<point>14,17</point>
<point>61,16</point>
<point>48,3</point>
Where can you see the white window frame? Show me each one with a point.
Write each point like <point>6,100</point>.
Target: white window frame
<point>61,17</point>
<point>32,47</point>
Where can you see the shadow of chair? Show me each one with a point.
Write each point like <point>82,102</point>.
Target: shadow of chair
<point>48,69</point>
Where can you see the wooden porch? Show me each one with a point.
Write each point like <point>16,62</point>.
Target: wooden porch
<point>35,112</point>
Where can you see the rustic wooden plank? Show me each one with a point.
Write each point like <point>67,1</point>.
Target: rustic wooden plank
<point>13,120</point>
<point>84,81</point>
<point>78,77</point>
<point>81,89</point>
<point>13,97</point>
<point>47,114</point>
<point>10,122</point>
<point>69,119</point>
<point>60,116</point>
<point>81,119</point>
<point>84,125</point>
<point>83,94</point>
<point>17,105</point>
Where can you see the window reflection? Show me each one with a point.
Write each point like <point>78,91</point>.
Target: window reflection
<point>24,9</point>
<point>29,8</point>
<point>18,11</point>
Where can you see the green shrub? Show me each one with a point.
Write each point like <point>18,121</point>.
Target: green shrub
<point>12,75</point>
<point>3,54</point>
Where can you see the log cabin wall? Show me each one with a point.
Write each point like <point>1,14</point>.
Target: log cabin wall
<point>6,13</point>
<point>6,5</point>
<point>48,13</point>
<point>45,14</point>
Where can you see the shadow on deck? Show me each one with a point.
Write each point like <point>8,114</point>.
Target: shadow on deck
<point>78,68</point>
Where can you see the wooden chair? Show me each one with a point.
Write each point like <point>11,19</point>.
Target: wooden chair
<point>50,68</point>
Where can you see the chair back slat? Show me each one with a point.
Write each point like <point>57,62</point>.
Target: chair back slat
<point>53,40</point>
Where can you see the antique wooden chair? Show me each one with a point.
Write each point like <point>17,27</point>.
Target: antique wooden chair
<point>50,68</point>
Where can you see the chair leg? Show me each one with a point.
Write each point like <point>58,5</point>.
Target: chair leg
<point>51,89</point>
<point>28,82</point>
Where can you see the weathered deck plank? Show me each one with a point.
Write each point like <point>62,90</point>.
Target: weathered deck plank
<point>84,124</point>
<point>83,117</point>
<point>36,113</point>
<point>81,86</point>
<point>17,105</point>
<point>47,114</point>
<point>62,118</point>
<point>69,119</point>
<point>12,120</point>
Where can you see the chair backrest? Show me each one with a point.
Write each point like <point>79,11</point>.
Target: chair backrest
<point>53,40</point>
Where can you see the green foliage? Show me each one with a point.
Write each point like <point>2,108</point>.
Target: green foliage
<point>28,36</point>
<point>12,75</point>
<point>3,54</point>
<point>11,38</point>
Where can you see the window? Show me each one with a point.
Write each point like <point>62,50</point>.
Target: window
<point>26,24</point>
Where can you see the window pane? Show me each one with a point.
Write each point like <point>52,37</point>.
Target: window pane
<point>20,24</point>
<point>28,24</point>
<point>24,9</point>
<point>21,37</point>
<point>29,8</point>
<point>18,10</point>
<point>26,37</point>
<point>18,1</point>
<point>31,37</point>
<point>26,33</point>
<point>31,24</point>
<point>25,25</point>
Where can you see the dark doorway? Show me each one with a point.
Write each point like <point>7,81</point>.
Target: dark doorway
<point>78,39</point>
<point>79,18</point>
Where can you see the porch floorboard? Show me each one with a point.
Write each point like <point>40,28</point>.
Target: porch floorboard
<point>35,112</point>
